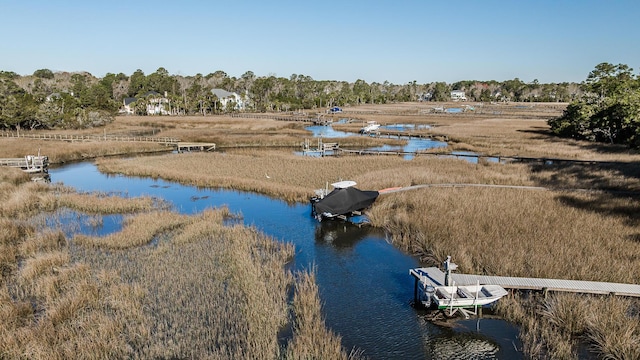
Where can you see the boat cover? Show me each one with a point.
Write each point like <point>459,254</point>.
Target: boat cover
<point>344,201</point>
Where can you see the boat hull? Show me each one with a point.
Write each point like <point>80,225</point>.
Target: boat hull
<point>469,296</point>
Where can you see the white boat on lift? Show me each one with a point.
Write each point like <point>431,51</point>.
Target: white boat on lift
<point>451,297</point>
<point>466,296</point>
<point>370,127</point>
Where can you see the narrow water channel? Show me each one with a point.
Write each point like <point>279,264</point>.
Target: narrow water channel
<point>363,280</point>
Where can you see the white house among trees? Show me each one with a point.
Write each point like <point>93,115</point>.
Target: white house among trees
<point>227,98</point>
<point>458,95</point>
<point>151,102</point>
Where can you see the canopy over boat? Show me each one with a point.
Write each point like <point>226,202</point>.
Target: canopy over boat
<point>343,201</point>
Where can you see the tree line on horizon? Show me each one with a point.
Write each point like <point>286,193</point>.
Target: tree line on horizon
<point>48,100</point>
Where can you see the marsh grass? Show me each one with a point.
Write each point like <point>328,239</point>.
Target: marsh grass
<point>566,326</point>
<point>286,176</point>
<point>294,178</point>
<point>25,200</point>
<point>311,338</point>
<point>205,290</point>
<point>212,290</point>
<point>610,332</point>
<point>12,176</point>
<point>137,230</point>
<point>97,203</point>
<point>51,307</point>
<point>513,232</point>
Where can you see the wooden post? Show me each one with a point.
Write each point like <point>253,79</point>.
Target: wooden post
<point>415,292</point>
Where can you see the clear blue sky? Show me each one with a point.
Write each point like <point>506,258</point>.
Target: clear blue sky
<point>399,41</point>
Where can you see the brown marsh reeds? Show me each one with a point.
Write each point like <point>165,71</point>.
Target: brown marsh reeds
<point>212,290</point>
<point>569,326</point>
<point>311,338</point>
<point>138,230</point>
<point>280,174</point>
<point>513,232</point>
<point>203,290</point>
<point>29,198</point>
<point>294,178</point>
<point>51,307</point>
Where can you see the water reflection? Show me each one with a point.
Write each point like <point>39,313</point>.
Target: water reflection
<point>327,132</point>
<point>341,234</point>
<point>365,289</point>
<point>472,157</point>
<point>413,144</point>
<point>473,339</point>
<point>71,222</point>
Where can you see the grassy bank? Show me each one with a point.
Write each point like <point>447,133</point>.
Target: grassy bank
<point>52,307</point>
<point>165,286</point>
<point>293,178</point>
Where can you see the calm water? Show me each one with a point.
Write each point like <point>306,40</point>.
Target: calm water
<point>413,144</point>
<point>363,280</point>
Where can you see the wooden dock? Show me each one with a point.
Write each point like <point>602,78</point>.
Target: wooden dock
<point>85,138</point>
<point>500,159</point>
<point>194,146</point>
<point>322,148</point>
<point>390,134</point>
<point>437,278</point>
<point>317,120</point>
<point>168,141</point>
<point>33,164</point>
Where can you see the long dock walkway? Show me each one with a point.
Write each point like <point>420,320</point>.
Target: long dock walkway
<point>436,277</point>
<point>81,138</point>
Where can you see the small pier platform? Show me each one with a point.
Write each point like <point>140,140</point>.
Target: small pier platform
<point>194,146</point>
<point>322,148</point>
<point>33,164</point>
<point>436,277</point>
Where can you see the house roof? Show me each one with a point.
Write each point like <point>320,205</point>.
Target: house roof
<point>150,93</point>
<point>129,100</point>
<point>221,94</point>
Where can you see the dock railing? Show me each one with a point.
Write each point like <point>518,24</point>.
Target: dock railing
<point>74,138</point>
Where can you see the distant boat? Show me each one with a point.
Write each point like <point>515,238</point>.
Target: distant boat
<point>371,127</point>
<point>344,200</point>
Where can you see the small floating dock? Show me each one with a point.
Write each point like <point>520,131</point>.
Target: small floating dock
<point>437,278</point>
<point>322,148</point>
<point>33,164</point>
<point>194,146</point>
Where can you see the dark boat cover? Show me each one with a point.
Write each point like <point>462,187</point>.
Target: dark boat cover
<point>344,201</point>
